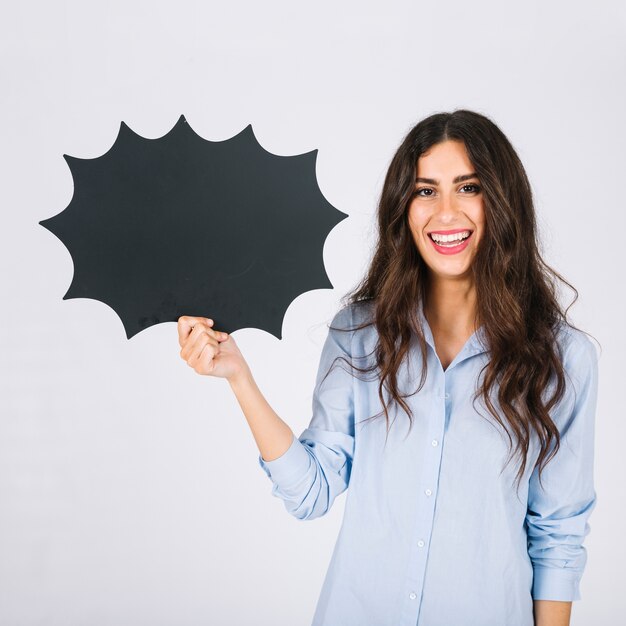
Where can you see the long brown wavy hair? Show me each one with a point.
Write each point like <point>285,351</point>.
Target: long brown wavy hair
<point>517,301</point>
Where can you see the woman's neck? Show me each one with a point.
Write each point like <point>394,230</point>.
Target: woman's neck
<point>450,307</point>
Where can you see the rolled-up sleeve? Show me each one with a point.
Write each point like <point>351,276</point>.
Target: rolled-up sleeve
<point>559,509</point>
<point>315,469</point>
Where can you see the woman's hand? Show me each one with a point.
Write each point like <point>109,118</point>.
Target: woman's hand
<point>207,351</point>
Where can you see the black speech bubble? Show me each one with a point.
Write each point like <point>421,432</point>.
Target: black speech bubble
<point>179,225</point>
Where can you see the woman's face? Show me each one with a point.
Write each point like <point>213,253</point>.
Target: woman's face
<point>448,200</point>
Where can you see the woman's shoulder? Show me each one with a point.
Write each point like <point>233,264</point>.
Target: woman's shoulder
<point>354,314</point>
<point>352,327</point>
<point>576,347</point>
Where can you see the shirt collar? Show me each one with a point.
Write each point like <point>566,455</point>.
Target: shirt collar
<point>476,344</point>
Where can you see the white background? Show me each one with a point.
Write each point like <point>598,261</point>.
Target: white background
<point>130,490</point>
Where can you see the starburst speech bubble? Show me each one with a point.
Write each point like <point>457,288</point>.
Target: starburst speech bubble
<point>180,225</point>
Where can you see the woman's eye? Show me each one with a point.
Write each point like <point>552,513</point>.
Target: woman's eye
<point>427,192</point>
<point>418,191</point>
<point>472,187</point>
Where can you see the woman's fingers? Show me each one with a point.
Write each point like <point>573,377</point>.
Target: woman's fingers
<point>189,328</point>
<point>196,341</point>
<point>205,361</point>
<point>200,345</point>
<point>203,341</point>
<point>186,324</point>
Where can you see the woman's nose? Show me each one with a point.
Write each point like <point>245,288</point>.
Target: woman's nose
<point>447,205</point>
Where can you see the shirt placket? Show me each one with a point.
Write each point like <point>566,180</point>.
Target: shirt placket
<point>431,452</point>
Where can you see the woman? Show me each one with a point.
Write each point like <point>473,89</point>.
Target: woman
<point>456,336</point>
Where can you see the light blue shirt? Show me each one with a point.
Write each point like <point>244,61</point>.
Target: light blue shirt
<point>433,534</point>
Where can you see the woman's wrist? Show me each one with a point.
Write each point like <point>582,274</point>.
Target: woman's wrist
<point>243,376</point>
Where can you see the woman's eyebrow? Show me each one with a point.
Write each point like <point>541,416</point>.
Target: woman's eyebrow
<point>458,179</point>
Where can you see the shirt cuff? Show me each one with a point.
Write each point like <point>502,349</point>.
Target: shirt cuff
<point>552,583</point>
<point>288,469</point>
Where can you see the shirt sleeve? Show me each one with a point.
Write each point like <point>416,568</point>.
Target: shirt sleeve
<point>315,469</point>
<point>558,513</point>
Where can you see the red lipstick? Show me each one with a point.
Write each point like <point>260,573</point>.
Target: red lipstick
<point>451,249</point>
<point>449,232</point>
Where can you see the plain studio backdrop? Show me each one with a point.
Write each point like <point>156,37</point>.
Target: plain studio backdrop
<point>130,490</point>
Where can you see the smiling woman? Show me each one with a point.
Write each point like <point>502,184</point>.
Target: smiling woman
<point>452,203</point>
<point>458,321</point>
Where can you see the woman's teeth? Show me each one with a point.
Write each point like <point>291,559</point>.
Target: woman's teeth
<point>449,241</point>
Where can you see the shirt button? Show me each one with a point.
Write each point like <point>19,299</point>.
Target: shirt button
<point>412,596</point>
<point>433,443</point>
<point>420,543</point>
<point>446,395</point>
<point>428,492</point>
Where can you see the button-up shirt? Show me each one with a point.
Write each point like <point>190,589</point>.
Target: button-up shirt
<point>434,532</point>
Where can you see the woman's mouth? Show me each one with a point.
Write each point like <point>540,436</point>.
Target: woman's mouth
<point>457,243</point>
